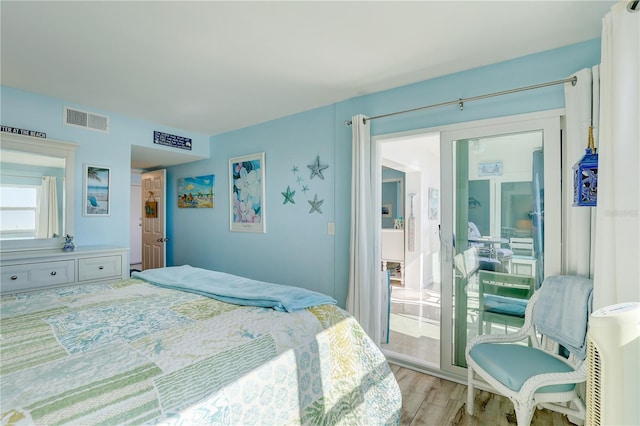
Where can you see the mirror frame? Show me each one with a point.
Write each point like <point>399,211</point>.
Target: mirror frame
<point>52,148</point>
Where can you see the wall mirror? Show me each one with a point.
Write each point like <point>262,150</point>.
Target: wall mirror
<point>392,196</point>
<point>36,192</point>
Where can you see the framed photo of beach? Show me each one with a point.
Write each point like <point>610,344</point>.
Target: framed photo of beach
<point>246,193</point>
<point>97,191</point>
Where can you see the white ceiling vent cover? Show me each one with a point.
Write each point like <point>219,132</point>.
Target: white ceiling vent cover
<point>74,117</point>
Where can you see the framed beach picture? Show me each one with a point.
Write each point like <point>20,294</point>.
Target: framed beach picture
<point>196,192</point>
<point>97,187</point>
<point>246,192</point>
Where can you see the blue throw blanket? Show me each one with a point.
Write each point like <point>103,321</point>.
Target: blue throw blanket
<point>563,309</point>
<point>234,289</point>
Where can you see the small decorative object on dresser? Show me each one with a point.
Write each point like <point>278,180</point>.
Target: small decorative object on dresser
<point>68,243</point>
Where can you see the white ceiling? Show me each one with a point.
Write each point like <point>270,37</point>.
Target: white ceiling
<point>213,66</point>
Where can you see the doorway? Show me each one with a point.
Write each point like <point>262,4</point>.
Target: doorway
<point>503,177</point>
<point>410,246</point>
<point>154,235</point>
<point>145,159</point>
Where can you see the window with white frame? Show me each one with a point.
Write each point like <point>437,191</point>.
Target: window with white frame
<point>18,215</point>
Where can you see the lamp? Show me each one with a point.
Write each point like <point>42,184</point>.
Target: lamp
<point>585,176</point>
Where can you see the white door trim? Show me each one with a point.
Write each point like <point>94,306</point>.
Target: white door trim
<point>550,124</point>
<point>553,207</point>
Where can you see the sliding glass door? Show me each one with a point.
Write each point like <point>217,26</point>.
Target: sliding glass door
<point>501,221</point>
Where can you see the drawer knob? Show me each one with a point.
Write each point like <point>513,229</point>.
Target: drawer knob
<point>14,277</point>
<point>53,272</point>
<point>100,267</point>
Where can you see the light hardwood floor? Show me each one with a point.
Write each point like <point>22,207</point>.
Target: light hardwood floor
<point>428,400</point>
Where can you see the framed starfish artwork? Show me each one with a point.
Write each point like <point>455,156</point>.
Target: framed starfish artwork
<point>247,193</point>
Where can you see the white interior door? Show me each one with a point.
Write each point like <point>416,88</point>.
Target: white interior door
<point>153,223</point>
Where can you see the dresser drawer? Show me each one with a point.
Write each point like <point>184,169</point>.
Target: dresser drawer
<point>93,268</point>
<point>29,276</point>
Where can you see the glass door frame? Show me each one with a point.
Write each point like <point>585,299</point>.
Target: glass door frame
<point>550,123</point>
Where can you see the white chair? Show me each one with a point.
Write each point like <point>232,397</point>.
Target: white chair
<point>502,299</point>
<point>521,246</point>
<point>528,369</point>
<point>523,260</point>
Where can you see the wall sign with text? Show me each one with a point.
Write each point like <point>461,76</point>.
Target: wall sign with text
<point>24,132</point>
<point>173,141</point>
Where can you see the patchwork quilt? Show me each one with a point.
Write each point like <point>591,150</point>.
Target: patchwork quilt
<point>133,353</point>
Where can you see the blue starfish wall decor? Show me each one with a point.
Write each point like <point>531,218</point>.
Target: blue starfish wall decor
<point>305,188</point>
<point>288,196</point>
<point>317,168</point>
<point>315,204</point>
<point>294,170</point>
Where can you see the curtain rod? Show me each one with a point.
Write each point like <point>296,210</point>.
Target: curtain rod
<point>573,80</point>
<point>21,176</point>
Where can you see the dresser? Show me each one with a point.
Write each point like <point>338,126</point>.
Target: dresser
<point>22,271</point>
<point>393,254</point>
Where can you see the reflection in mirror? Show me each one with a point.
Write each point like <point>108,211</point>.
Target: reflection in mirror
<point>504,186</point>
<point>31,196</point>
<point>392,196</point>
<point>36,192</point>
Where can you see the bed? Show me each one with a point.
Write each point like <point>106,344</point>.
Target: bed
<point>137,352</point>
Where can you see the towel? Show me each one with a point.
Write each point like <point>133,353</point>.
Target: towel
<point>234,289</point>
<point>563,309</point>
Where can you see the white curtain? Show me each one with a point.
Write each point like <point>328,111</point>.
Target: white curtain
<point>48,208</point>
<point>581,104</point>
<point>364,298</point>
<point>617,260</point>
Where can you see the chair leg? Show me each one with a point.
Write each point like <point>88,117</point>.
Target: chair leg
<point>578,405</point>
<point>524,412</point>
<point>470,390</point>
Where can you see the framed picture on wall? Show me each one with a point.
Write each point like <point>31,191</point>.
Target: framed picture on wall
<point>97,191</point>
<point>247,193</point>
<point>196,192</point>
<point>387,210</point>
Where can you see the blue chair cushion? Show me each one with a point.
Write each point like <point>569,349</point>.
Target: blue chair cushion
<point>512,365</point>
<point>505,305</point>
<point>489,264</point>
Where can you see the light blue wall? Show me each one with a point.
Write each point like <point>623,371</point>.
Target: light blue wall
<point>296,248</point>
<point>35,112</point>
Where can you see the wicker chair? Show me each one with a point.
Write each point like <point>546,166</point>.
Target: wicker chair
<point>527,368</point>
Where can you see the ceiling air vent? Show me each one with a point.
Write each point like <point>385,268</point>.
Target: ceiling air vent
<point>74,117</point>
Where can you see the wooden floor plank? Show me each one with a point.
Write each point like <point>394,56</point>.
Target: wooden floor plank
<point>430,401</point>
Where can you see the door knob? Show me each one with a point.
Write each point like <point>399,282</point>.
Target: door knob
<point>162,240</point>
